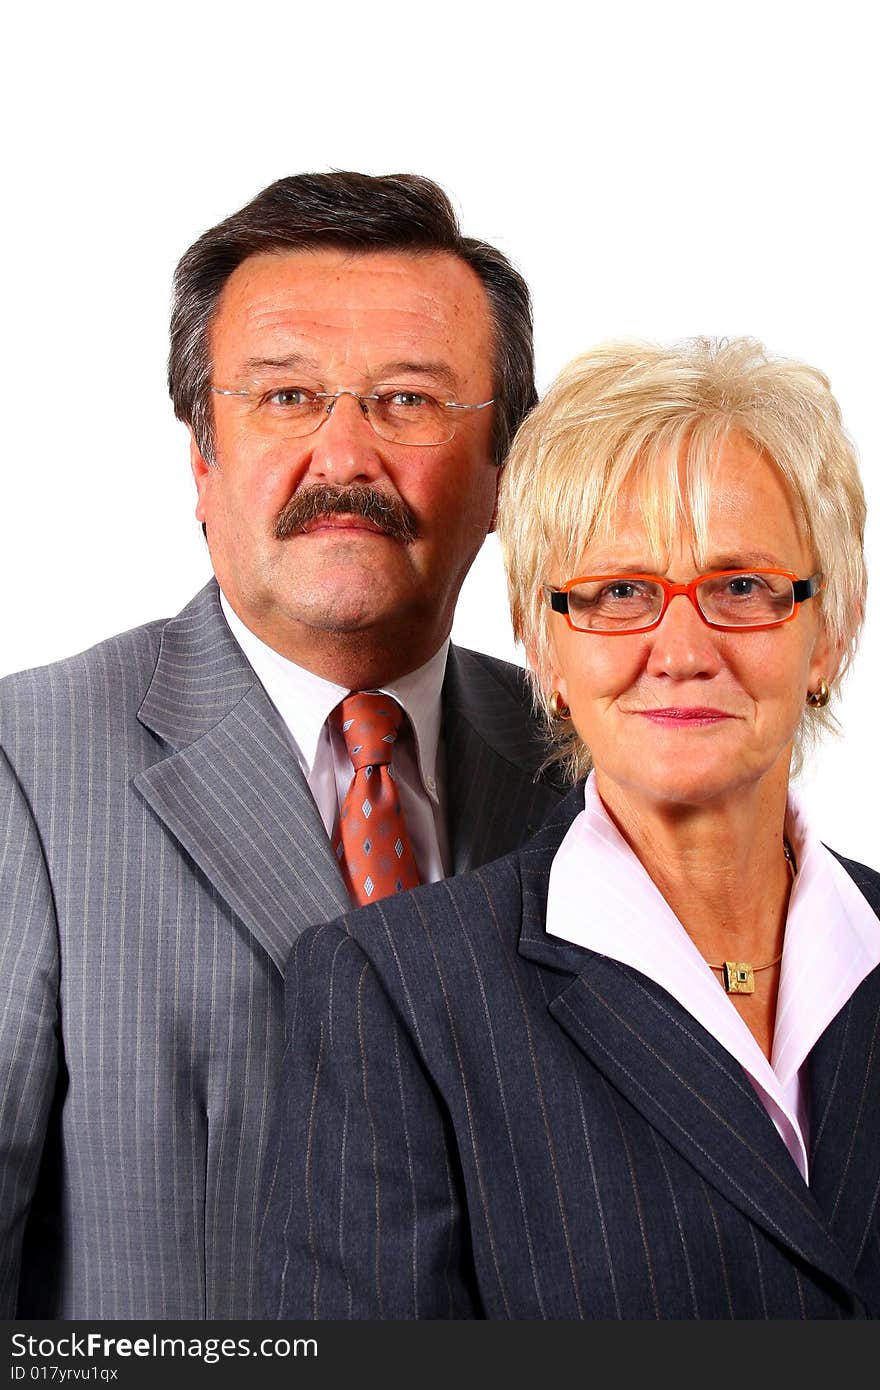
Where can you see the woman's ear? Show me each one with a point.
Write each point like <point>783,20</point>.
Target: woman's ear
<point>546,668</point>
<point>825,658</point>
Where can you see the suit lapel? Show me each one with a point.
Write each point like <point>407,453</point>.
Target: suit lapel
<point>844,1076</point>
<point>680,1080</point>
<point>496,794</point>
<point>230,790</point>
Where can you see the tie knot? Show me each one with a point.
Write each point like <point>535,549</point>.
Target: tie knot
<point>369,723</point>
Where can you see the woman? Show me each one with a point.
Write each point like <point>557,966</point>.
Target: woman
<point>633,1070</point>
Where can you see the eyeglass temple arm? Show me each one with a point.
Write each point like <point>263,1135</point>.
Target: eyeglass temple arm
<point>558,601</point>
<point>456,405</point>
<point>803,589</point>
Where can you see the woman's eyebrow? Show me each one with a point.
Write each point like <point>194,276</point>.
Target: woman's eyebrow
<point>743,559</point>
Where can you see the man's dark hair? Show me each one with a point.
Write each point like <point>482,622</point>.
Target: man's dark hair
<point>358,213</point>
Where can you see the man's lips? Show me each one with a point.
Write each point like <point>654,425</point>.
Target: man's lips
<point>341,521</point>
<point>685,716</point>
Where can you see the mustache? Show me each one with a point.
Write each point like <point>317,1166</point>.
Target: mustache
<point>390,514</point>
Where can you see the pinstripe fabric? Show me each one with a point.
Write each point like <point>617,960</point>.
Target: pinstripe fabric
<point>480,1120</point>
<point>159,853</point>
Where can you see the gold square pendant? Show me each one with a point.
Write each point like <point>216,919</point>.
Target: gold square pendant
<point>738,977</point>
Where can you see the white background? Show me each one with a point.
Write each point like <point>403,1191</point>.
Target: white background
<point>656,170</point>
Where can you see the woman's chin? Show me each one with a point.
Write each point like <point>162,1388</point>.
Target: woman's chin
<point>681,782</point>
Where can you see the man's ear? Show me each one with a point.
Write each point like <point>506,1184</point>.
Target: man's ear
<point>499,469</point>
<point>201,471</point>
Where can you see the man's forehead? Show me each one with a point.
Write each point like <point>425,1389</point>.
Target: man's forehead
<point>392,304</point>
<point>433,284</point>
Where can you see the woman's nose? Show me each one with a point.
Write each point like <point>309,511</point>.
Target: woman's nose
<point>682,645</point>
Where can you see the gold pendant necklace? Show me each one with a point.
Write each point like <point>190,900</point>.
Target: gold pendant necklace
<point>738,976</point>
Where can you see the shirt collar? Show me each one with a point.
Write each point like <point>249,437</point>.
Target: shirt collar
<point>831,937</point>
<point>831,945</point>
<point>305,700</point>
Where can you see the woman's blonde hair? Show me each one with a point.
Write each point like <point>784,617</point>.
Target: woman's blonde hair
<point>641,415</point>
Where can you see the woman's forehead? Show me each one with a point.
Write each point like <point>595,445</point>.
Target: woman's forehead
<point>736,503</point>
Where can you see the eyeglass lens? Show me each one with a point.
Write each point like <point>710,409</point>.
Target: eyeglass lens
<point>399,415</point>
<point>747,598</point>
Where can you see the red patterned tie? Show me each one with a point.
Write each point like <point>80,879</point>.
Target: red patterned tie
<point>372,842</point>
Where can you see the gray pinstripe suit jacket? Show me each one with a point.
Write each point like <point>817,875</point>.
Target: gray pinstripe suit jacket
<point>159,853</point>
<point>486,1121</point>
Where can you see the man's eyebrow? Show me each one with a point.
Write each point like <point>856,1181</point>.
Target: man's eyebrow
<point>281,364</point>
<point>440,372</point>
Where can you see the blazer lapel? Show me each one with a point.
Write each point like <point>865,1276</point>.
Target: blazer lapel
<point>230,790</point>
<point>680,1080</point>
<point>844,1077</point>
<point>497,795</point>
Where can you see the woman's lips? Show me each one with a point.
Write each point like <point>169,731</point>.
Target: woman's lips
<point>685,716</point>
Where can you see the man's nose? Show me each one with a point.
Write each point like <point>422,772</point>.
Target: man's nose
<point>683,646</point>
<point>344,448</point>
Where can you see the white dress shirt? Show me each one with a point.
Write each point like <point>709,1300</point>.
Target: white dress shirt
<point>304,701</point>
<point>601,897</point>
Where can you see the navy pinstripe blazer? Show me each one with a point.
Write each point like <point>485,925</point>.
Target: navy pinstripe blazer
<point>481,1120</point>
<point>159,853</point>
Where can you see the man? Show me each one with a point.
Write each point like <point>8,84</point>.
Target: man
<point>178,803</point>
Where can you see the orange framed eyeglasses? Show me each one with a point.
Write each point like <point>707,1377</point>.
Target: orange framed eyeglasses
<point>740,600</point>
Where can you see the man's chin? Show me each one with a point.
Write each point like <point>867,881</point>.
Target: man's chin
<point>359,571</point>
<point>344,609</point>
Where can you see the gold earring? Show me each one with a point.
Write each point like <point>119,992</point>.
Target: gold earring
<point>818,698</point>
<point>558,708</point>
